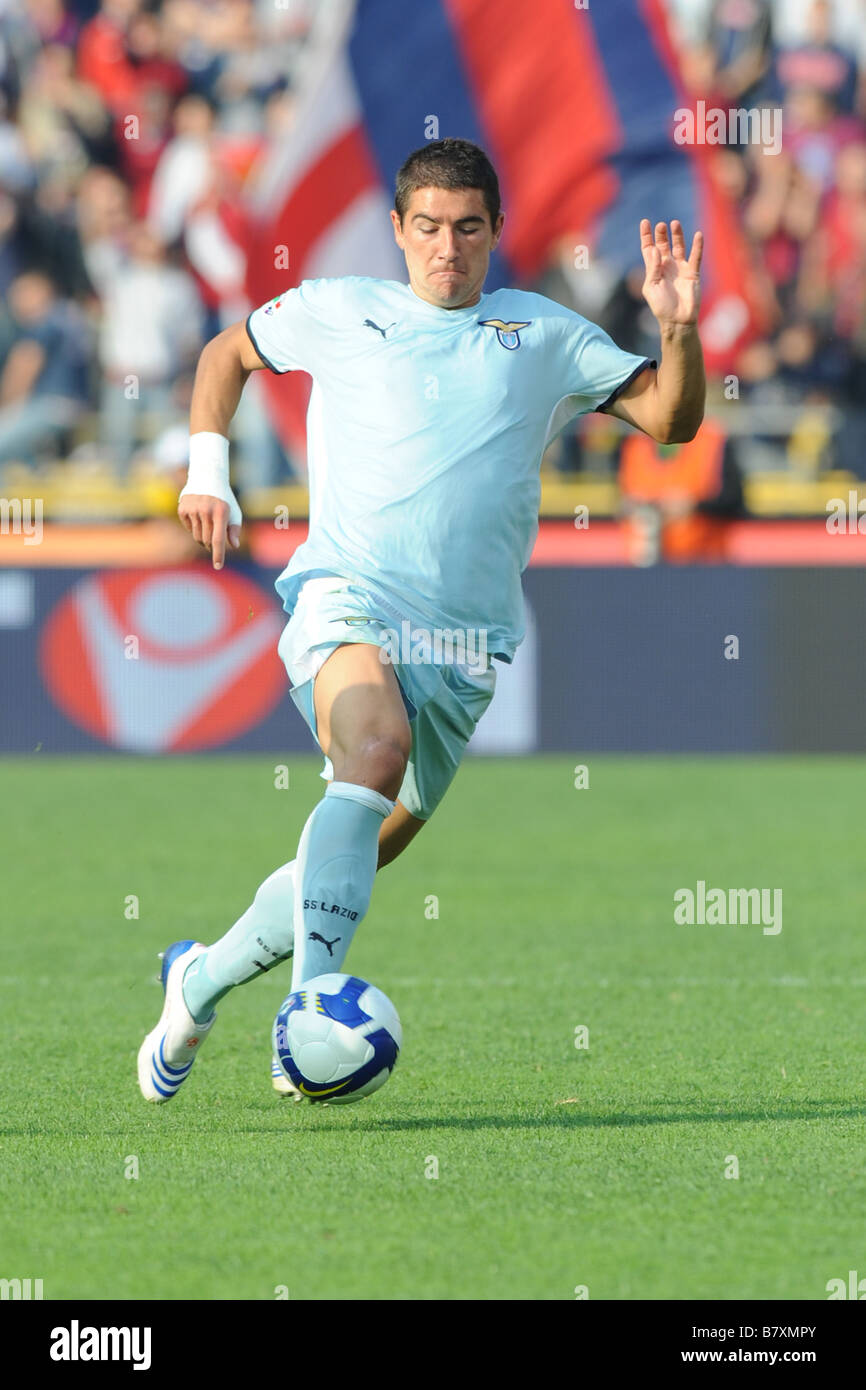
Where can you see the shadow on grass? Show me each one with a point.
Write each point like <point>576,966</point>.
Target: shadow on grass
<point>350,1121</point>
<point>572,1117</point>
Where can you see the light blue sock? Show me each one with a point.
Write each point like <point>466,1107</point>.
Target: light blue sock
<point>335,869</point>
<point>259,940</point>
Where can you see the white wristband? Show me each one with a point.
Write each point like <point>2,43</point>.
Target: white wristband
<point>208,472</point>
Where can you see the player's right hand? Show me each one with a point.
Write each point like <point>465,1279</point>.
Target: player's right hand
<point>212,522</point>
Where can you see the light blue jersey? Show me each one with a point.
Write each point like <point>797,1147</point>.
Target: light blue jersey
<point>425,433</point>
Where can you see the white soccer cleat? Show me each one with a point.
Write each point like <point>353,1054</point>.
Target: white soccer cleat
<point>166,1056</point>
<point>281,1083</point>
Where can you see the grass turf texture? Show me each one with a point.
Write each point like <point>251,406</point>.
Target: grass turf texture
<point>558,1167</point>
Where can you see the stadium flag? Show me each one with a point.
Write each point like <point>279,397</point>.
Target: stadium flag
<point>318,206</point>
<point>575,106</point>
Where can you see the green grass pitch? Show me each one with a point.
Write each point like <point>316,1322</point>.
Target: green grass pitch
<point>558,1166</point>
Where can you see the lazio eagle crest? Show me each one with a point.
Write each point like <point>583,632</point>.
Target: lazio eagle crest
<point>507,333</point>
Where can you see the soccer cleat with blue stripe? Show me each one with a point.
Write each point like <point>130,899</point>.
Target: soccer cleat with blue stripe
<point>166,1056</point>
<point>281,1083</point>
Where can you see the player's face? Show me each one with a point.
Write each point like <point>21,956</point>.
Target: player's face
<point>447,238</point>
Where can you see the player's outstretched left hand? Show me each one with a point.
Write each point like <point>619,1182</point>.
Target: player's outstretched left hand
<point>672,287</point>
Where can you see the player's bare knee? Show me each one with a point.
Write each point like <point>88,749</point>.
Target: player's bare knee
<point>384,761</point>
<point>379,761</point>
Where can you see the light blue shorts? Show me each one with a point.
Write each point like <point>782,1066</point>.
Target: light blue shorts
<point>444,702</point>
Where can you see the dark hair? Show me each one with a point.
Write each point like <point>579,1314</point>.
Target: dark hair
<point>447,164</point>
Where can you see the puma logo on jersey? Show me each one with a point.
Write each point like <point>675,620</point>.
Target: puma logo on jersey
<point>507,333</point>
<point>368,323</point>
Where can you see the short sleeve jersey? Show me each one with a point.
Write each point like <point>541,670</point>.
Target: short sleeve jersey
<point>425,433</point>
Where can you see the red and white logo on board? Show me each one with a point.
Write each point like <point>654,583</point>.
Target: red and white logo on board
<point>164,660</point>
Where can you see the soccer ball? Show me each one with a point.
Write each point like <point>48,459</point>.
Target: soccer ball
<point>337,1039</point>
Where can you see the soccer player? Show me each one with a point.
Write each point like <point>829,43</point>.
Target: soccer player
<point>431,407</point>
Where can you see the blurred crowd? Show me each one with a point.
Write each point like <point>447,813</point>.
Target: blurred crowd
<point>126,131</point>
<point>803,210</point>
<point>128,127</point>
